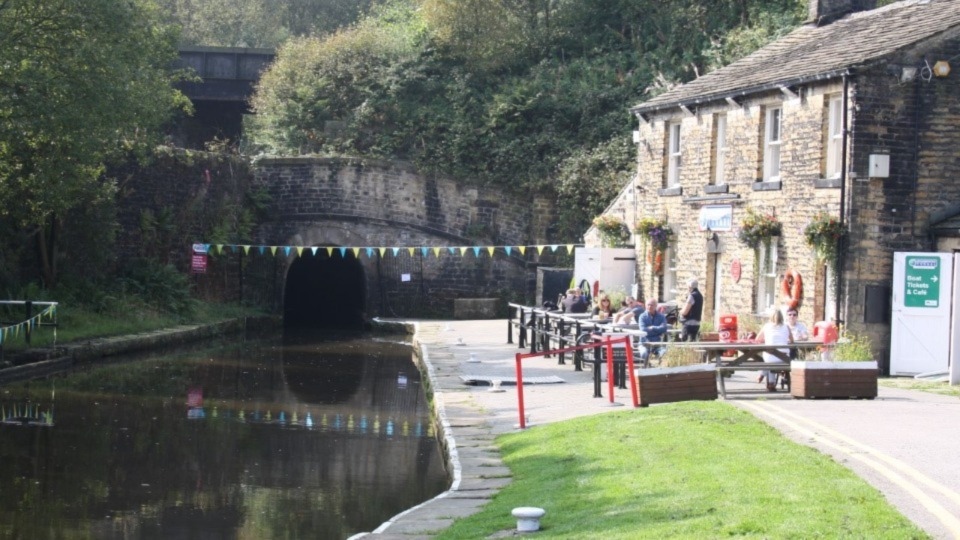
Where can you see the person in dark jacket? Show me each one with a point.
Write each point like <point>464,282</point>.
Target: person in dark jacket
<point>691,313</point>
<point>573,302</point>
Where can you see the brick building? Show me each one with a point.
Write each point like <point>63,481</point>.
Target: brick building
<point>855,116</point>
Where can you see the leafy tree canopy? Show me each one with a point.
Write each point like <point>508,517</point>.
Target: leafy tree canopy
<point>81,81</point>
<point>518,93</point>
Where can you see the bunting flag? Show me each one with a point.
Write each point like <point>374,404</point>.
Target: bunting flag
<point>371,251</point>
<point>28,325</point>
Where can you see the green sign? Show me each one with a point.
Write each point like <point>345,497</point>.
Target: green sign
<point>922,284</point>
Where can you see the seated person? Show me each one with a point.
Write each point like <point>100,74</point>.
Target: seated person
<point>631,313</point>
<point>654,324</point>
<point>604,308</point>
<point>573,302</point>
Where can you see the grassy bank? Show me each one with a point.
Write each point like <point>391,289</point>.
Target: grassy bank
<point>687,470</point>
<point>127,315</point>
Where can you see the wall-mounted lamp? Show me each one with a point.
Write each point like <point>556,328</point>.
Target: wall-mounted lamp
<point>941,68</point>
<point>713,241</point>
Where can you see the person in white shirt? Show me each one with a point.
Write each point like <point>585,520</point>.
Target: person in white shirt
<point>775,332</point>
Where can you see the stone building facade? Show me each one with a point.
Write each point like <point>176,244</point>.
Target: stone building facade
<point>852,116</point>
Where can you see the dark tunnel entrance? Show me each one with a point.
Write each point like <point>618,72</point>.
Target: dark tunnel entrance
<point>325,291</point>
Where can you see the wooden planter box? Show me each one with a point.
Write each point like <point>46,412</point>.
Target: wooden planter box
<point>686,383</point>
<point>833,380</point>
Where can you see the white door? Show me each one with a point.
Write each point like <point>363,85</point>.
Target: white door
<point>922,298</point>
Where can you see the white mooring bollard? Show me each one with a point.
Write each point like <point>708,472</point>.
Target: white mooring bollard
<point>528,518</point>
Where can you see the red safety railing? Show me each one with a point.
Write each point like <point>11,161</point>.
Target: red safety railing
<point>606,342</point>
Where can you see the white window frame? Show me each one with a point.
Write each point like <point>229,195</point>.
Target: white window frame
<point>669,274</point>
<point>719,149</point>
<point>767,276</point>
<point>834,141</point>
<point>674,155</point>
<point>772,138</point>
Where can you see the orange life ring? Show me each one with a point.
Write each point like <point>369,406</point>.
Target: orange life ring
<point>792,288</point>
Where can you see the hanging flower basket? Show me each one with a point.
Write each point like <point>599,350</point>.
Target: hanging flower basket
<point>758,229</point>
<point>656,231</point>
<point>613,231</point>
<point>824,234</point>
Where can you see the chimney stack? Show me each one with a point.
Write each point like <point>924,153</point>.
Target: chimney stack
<point>822,12</point>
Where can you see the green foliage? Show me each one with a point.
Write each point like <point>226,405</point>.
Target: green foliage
<point>162,286</point>
<point>587,180</point>
<point>853,348</point>
<point>258,23</point>
<point>613,231</point>
<point>81,82</point>
<point>576,467</point>
<point>824,234</point>
<point>758,228</point>
<point>656,231</point>
<point>523,95</point>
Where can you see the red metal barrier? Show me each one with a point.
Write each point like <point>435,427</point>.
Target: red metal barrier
<point>608,343</point>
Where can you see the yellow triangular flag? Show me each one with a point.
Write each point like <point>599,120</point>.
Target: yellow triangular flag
<point>220,249</point>
<point>540,250</point>
<point>490,250</point>
<point>410,251</point>
<point>569,249</point>
<point>329,251</point>
<point>273,250</point>
<point>382,251</point>
<point>463,250</point>
<point>299,251</point>
<point>436,252</point>
<point>246,250</point>
<point>356,252</point>
<point>523,249</point>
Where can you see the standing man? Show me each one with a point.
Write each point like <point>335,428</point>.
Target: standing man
<point>691,313</point>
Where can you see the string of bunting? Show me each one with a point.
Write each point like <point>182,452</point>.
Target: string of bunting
<point>425,251</point>
<point>14,330</point>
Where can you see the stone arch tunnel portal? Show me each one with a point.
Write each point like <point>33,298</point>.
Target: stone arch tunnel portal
<point>324,290</point>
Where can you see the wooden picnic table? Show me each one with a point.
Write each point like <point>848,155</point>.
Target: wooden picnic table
<point>746,356</point>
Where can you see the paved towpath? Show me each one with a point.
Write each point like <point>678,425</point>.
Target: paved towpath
<point>905,443</point>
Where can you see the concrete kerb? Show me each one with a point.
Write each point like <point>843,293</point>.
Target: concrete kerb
<point>470,417</point>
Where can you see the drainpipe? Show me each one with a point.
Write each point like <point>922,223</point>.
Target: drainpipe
<point>841,249</point>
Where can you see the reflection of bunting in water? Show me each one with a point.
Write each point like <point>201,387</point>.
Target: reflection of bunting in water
<point>349,423</point>
<point>26,414</point>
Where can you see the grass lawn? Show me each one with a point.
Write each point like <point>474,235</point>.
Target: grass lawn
<point>909,383</point>
<point>685,470</point>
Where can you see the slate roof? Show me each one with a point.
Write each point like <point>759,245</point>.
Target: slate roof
<point>812,53</point>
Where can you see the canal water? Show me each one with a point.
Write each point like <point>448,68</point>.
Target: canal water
<point>294,437</point>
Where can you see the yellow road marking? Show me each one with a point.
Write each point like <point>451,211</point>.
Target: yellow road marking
<point>949,521</point>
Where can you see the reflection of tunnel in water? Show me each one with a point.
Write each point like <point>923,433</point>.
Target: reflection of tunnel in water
<point>324,290</point>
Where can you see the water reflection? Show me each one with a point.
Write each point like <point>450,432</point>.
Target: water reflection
<point>301,439</point>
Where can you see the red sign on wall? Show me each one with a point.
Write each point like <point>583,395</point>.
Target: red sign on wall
<point>735,270</point>
<point>198,262</point>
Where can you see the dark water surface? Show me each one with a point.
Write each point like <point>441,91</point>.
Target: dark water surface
<point>293,438</point>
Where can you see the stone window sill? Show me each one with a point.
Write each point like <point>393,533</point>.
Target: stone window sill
<point>720,188</point>
<point>670,192</point>
<point>827,183</point>
<point>767,186</point>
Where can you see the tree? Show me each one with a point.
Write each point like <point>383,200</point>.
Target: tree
<point>81,82</point>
